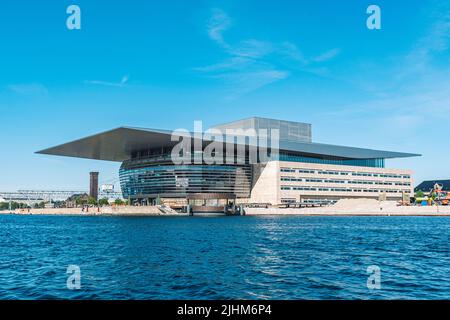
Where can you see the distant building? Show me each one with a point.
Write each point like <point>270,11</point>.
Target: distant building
<point>71,202</point>
<point>428,185</point>
<point>93,185</point>
<point>299,171</point>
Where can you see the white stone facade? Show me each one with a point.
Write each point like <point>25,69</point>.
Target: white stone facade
<point>283,182</point>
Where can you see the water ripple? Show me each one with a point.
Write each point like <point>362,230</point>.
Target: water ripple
<point>270,257</point>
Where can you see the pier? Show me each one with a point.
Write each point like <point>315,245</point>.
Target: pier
<point>213,203</point>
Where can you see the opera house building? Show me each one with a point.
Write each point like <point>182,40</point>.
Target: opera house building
<point>255,160</point>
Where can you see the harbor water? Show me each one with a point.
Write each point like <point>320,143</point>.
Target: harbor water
<point>245,257</point>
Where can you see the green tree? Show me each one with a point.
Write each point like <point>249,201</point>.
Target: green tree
<point>92,201</point>
<point>118,202</point>
<point>59,204</point>
<point>4,206</point>
<point>103,202</point>
<point>419,194</point>
<point>40,205</point>
<point>79,201</point>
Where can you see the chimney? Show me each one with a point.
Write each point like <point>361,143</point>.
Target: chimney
<point>93,186</point>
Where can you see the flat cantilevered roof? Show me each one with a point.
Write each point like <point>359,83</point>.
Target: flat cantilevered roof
<point>118,145</point>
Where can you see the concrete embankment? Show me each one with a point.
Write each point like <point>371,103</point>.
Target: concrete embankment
<point>103,211</point>
<point>344,207</point>
<point>357,207</point>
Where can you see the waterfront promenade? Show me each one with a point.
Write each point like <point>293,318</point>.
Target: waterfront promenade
<point>101,211</point>
<point>358,207</point>
<point>344,207</point>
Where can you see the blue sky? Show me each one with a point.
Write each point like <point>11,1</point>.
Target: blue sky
<point>164,64</point>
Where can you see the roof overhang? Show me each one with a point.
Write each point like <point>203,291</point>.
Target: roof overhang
<point>118,144</point>
<point>341,152</point>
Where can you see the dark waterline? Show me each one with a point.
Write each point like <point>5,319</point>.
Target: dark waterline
<point>252,257</point>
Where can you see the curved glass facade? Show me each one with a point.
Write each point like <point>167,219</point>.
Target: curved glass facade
<point>151,178</point>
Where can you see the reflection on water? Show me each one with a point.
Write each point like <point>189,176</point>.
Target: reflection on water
<point>270,257</point>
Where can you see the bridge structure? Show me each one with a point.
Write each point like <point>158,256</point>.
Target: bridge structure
<point>33,196</point>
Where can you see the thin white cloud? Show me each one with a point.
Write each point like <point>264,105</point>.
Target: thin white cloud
<point>252,48</point>
<point>253,63</point>
<point>415,83</point>
<point>29,89</point>
<point>122,83</point>
<point>233,63</point>
<point>415,108</point>
<point>328,55</point>
<point>124,79</point>
<point>435,42</point>
<point>248,81</point>
<point>218,23</point>
<point>291,51</point>
<point>419,62</point>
